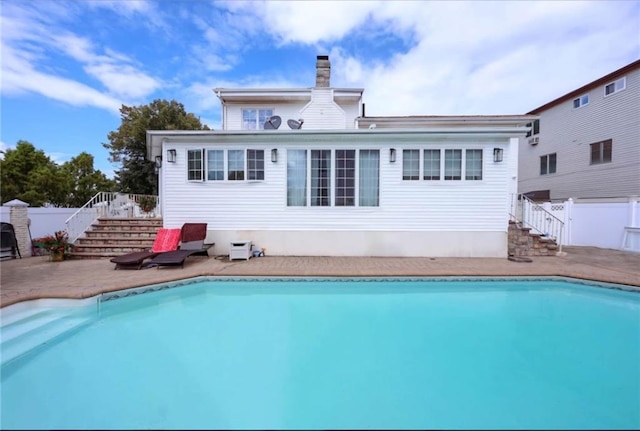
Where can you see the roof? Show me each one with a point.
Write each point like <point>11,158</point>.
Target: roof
<point>441,127</point>
<point>244,95</point>
<point>416,121</point>
<point>590,86</point>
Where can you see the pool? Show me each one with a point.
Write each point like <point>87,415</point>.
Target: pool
<point>337,353</point>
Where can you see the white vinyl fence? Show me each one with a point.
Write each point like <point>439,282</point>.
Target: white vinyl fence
<point>602,224</point>
<point>44,221</point>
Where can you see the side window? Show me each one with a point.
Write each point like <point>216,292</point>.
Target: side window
<point>369,180</point>
<point>320,177</point>
<point>215,165</point>
<point>452,164</point>
<point>235,170</point>
<point>431,164</point>
<point>345,178</point>
<point>194,165</point>
<point>473,165</point>
<point>255,164</point>
<point>410,165</point>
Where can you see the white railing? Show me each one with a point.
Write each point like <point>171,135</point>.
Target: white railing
<point>108,205</point>
<point>536,217</point>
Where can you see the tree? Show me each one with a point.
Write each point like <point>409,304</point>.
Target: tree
<point>128,144</point>
<point>84,180</point>
<point>31,176</point>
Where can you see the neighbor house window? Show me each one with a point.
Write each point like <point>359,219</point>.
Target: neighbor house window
<point>215,165</point>
<point>581,101</point>
<point>548,164</point>
<point>255,164</point>
<point>473,165</point>
<point>320,177</point>
<point>534,128</point>
<point>314,176</point>
<point>345,195</point>
<point>452,164</point>
<point>254,119</point>
<point>194,165</point>
<point>410,164</point>
<point>615,86</point>
<point>601,152</point>
<point>369,178</point>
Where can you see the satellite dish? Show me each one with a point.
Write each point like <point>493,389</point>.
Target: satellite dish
<point>272,123</point>
<point>295,124</point>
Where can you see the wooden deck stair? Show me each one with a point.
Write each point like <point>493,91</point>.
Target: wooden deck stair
<point>110,237</point>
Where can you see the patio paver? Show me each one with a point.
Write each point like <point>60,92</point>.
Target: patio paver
<point>36,277</point>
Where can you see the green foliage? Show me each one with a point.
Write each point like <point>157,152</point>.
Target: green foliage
<point>85,181</point>
<point>30,175</point>
<point>128,144</point>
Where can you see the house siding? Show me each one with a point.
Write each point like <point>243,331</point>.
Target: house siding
<point>319,112</point>
<point>415,218</point>
<point>569,131</point>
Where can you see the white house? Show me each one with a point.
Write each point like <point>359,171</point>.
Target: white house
<point>343,184</point>
<point>586,143</point>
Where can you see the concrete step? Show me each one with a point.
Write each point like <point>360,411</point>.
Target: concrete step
<point>115,241</point>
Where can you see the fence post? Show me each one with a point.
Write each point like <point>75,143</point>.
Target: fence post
<point>633,212</point>
<point>568,221</point>
<point>19,218</point>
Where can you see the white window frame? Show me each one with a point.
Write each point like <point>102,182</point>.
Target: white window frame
<point>618,85</point>
<point>308,201</point>
<point>547,158</point>
<point>202,165</point>
<point>259,125</point>
<point>225,157</point>
<point>582,101</point>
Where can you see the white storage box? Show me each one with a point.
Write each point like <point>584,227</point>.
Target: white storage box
<point>240,250</point>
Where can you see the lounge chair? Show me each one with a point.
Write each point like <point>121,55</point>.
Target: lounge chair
<point>192,244</point>
<point>166,240</point>
<point>178,257</point>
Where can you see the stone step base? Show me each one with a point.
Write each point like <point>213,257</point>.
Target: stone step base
<point>524,243</point>
<point>112,237</point>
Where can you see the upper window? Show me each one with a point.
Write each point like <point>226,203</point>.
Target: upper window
<point>253,119</point>
<point>581,101</point>
<point>548,164</point>
<point>601,152</point>
<point>615,86</point>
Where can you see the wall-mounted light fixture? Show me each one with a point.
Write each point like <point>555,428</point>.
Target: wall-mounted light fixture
<point>392,155</point>
<point>274,155</point>
<point>158,162</point>
<point>171,156</point>
<point>497,155</point>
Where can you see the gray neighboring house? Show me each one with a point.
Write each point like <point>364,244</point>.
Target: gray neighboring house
<point>586,144</point>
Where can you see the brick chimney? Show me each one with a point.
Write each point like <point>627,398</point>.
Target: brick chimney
<point>323,71</point>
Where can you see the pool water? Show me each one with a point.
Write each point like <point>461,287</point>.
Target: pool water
<point>341,354</point>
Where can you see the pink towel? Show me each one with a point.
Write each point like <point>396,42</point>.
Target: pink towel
<point>166,240</point>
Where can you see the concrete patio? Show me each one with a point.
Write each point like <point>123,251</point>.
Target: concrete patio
<point>37,277</point>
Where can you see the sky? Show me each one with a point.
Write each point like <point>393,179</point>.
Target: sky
<point>68,66</point>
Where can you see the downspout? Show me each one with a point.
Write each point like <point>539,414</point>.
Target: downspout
<point>223,110</point>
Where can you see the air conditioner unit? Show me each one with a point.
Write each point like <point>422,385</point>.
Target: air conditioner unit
<point>533,140</point>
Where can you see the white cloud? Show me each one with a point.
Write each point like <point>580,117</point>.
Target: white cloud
<point>461,57</point>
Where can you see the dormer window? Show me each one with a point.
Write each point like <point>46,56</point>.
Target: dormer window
<point>253,119</point>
